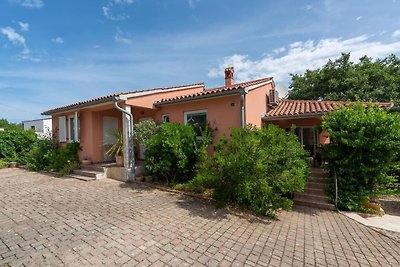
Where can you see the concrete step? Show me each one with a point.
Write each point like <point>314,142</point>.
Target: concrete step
<point>313,185</point>
<point>89,173</point>
<point>319,180</point>
<point>315,191</point>
<point>302,196</point>
<point>80,177</point>
<point>313,204</point>
<point>95,168</point>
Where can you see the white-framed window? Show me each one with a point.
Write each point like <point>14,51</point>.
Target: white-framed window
<point>71,129</point>
<point>198,119</point>
<point>165,118</point>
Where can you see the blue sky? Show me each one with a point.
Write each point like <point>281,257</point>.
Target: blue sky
<point>56,52</point>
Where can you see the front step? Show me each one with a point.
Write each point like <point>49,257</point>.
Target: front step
<point>314,194</point>
<point>81,177</point>
<point>89,173</point>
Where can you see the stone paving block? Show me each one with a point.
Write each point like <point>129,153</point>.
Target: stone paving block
<point>48,221</point>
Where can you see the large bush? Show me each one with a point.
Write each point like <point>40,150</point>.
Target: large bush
<point>65,159</point>
<point>173,151</point>
<point>365,146</point>
<point>257,168</point>
<point>40,156</point>
<point>14,144</point>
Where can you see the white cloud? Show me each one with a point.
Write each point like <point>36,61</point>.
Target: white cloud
<point>192,3</point>
<point>26,55</point>
<point>279,50</point>
<point>13,36</point>
<point>396,33</point>
<point>123,38</point>
<point>29,3</point>
<point>359,17</point>
<point>301,56</point>
<point>112,4</point>
<point>309,7</point>
<point>58,40</point>
<point>23,26</point>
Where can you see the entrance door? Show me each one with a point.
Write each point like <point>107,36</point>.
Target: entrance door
<point>110,125</point>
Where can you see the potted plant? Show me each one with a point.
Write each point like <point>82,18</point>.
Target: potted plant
<point>117,148</point>
<point>86,161</point>
<point>144,130</point>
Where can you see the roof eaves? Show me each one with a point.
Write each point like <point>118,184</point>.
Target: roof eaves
<point>78,106</point>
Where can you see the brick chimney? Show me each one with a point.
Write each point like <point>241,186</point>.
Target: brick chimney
<point>229,76</point>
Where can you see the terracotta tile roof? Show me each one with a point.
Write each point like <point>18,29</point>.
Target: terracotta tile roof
<point>213,91</point>
<point>286,108</point>
<point>106,98</point>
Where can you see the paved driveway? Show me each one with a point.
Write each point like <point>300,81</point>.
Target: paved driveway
<point>53,221</point>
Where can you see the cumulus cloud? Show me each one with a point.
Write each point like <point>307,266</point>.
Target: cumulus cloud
<point>396,33</point>
<point>359,17</point>
<point>13,36</point>
<point>301,56</point>
<point>29,3</point>
<point>58,40</point>
<point>109,9</point>
<point>23,26</point>
<point>123,38</point>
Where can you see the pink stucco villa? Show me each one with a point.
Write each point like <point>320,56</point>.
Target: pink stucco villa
<point>90,121</point>
<point>232,105</point>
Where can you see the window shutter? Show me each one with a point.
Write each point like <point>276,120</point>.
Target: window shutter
<point>62,131</point>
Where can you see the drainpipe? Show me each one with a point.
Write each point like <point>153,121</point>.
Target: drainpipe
<point>131,155</point>
<point>242,110</point>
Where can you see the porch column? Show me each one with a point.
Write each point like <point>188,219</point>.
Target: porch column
<point>126,134</point>
<point>76,134</point>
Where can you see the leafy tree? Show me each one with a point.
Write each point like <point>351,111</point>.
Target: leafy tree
<point>364,148</point>
<point>5,124</point>
<point>342,79</point>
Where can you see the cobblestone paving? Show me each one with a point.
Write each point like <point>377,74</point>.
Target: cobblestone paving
<point>46,221</point>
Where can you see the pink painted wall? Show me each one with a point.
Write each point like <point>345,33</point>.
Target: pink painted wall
<point>222,112</point>
<point>256,104</point>
<point>147,101</point>
<point>91,129</point>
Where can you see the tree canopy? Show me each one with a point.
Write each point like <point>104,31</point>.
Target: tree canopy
<point>341,79</point>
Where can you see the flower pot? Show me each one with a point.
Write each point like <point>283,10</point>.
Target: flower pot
<point>86,162</point>
<point>119,160</point>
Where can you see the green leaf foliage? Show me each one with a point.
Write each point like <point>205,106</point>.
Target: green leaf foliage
<point>173,151</point>
<point>15,144</point>
<point>364,148</point>
<point>342,79</point>
<point>256,168</point>
<point>40,155</point>
<point>65,159</point>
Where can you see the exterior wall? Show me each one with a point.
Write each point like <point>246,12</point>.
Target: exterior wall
<point>147,101</point>
<point>256,104</point>
<point>303,122</point>
<point>222,112</point>
<point>91,130</point>
<point>43,126</point>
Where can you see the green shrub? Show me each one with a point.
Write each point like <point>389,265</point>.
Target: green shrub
<point>4,164</point>
<point>39,157</point>
<point>173,151</point>
<point>14,144</point>
<point>257,168</point>
<point>65,159</point>
<point>144,130</point>
<point>364,148</point>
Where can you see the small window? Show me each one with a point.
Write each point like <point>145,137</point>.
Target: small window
<point>33,127</point>
<point>198,119</point>
<point>165,118</point>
